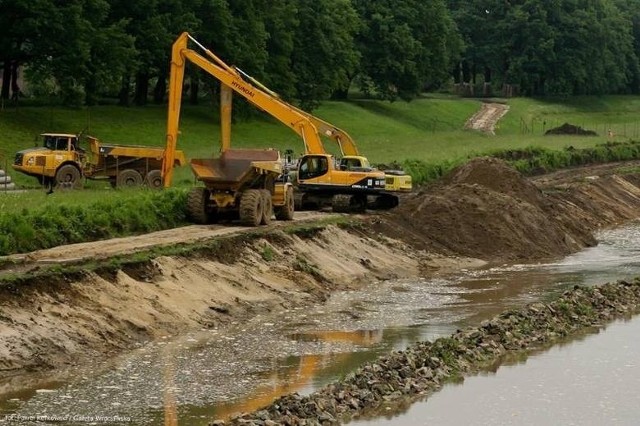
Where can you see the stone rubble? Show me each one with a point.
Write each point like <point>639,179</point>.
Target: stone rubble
<point>425,366</point>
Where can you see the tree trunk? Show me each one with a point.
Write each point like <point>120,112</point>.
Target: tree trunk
<point>15,89</point>
<point>457,71</point>
<point>466,73</point>
<point>161,88</point>
<point>125,87</point>
<point>90,88</point>
<point>340,95</point>
<point>474,72</point>
<point>487,75</point>
<point>142,88</point>
<point>6,80</point>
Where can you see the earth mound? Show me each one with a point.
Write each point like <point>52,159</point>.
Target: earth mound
<point>496,175</point>
<point>485,209</point>
<point>570,129</point>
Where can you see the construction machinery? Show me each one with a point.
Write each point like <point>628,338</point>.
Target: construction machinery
<point>245,184</point>
<point>319,178</point>
<point>62,162</point>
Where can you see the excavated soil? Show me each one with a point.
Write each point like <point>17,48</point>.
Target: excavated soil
<point>483,210</point>
<point>487,210</point>
<point>570,129</point>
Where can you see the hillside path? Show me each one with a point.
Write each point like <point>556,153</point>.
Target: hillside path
<point>487,117</point>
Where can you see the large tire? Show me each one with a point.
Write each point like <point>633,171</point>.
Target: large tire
<point>68,177</point>
<point>286,212</point>
<point>129,178</point>
<point>251,207</point>
<point>267,207</point>
<point>198,206</point>
<point>5,179</point>
<point>7,186</point>
<point>154,179</point>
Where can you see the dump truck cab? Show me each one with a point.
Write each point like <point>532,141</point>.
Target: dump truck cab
<point>60,153</point>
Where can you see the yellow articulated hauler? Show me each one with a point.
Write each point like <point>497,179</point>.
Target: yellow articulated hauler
<point>320,179</point>
<point>62,162</point>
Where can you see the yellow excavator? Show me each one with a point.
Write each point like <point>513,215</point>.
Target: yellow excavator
<point>240,184</point>
<point>320,179</point>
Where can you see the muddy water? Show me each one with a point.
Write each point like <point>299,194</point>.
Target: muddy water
<point>592,380</point>
<point>214,373</point>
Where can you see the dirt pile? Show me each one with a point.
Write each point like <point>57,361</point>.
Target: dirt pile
<point>486,209</point>
<point>570,129</point>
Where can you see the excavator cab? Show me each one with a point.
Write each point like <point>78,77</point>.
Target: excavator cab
<point>355,163</point>
<point>313,166</point>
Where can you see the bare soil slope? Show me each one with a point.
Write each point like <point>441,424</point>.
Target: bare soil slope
<point>483,210</point>
<point>486,209</point>
<point>51,322</point>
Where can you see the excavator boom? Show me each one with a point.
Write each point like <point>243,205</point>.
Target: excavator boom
<point>230,78</point>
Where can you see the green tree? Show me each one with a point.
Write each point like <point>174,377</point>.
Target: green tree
<point>324,58</point>
<point>406,45</point>
<point>564,47</point>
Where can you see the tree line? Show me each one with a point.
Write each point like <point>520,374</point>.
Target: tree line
<point>311,50</point>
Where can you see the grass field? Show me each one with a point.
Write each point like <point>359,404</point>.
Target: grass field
<point>430,130</point>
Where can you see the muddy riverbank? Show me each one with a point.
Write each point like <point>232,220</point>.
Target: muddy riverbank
<point>482,212</point>
<point>424,367</point>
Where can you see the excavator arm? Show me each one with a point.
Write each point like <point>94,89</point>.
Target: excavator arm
<point>230,79</point>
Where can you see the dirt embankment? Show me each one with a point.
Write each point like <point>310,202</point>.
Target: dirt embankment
<point>483,210</point>
<point>46,323</point>
<point>487,210</point>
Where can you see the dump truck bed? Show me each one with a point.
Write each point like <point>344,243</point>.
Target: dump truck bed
<point>235,167</point>
<point>99,149</point>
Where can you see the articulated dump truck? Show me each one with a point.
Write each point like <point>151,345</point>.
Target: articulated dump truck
<point>244,184</point>
<point>61,162</point>
<point>233,181</point>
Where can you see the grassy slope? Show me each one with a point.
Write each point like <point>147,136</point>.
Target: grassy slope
<point>428,129</point>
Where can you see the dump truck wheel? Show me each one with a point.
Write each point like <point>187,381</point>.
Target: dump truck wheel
<point>129,178</point>
<point>154,179</point>
<point>286,212</point>
<point>251,207</point>
<point>68,177</point>
<point>197,206</point>
<point>267,207</point>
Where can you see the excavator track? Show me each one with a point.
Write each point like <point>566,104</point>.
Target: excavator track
<point>348,203</point>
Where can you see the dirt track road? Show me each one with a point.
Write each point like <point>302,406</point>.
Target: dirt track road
<point>127,245</point>
<point>486,119</point>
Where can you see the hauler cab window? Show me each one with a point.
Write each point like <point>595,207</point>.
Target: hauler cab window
<point>56,143</point>
<point>312,167</point>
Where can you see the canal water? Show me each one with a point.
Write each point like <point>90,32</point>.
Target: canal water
<point>214,374</point>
